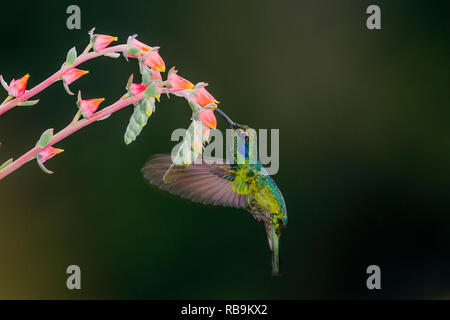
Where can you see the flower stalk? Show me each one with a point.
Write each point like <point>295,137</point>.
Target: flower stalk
<point>142,95</point>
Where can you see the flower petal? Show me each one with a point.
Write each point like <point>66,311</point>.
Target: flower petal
<point>208,118</point>
<point>204,97</point>
<point>48,153</point>
<point>136,88</point>
<point>176,82</point>
<point>102,41</point>
<point>17,87</point>
<point>154,61</point>
<point>88,107</point>
<point>73,74</point>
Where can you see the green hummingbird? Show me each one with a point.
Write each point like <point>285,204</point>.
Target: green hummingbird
<point>242,183</point>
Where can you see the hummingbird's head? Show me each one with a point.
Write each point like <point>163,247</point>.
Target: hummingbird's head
<point>245,144</point>
<point>243,133</point>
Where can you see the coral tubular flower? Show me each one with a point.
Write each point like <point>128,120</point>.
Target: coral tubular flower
<point>140,45</point>
<point>136,88</point>
<point>152,57</point>
<point>88,107</point>
<point>102,41</point>
<point>154,61</point>
<point>208,118</point>
<point>48,153</point>
<point>176,82</point>
<point>204,97</point>
<point>73,74</point>
<point>17,87</point>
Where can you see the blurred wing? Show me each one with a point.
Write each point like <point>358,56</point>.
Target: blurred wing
<point>202,183</point>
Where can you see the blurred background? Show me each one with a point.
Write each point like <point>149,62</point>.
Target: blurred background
<point>364,153</point>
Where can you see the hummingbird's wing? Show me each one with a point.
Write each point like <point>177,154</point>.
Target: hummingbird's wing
<point>206,183</point>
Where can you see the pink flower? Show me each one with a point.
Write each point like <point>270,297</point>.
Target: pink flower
<point>73,74</point>
<point>141,46</point>
<point>102,41</point>
<point>176,82</point>
<point>47,153</point>
<point>154,61</point>
<point>204,97</point>
<point>152,57</point>
<point>136,88</point>
<point>89,106</point>
<point>208,118</point>
<point>17,87</point>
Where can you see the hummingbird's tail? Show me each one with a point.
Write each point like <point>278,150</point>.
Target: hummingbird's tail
<point>274,242</point>
<point>275,253</point>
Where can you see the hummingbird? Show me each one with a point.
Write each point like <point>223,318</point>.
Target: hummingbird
<point>239,183</point>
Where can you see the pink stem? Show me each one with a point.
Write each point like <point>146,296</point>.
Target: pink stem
<point>55,77</point>
<point>70,129</point>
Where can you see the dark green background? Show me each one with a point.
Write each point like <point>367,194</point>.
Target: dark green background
<point>364,151</point>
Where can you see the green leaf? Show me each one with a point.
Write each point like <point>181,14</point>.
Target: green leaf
<point>133,51</point>
<point>43,168</point>
<point>7,163</point>
<point>3,82</point>
<point>151,91</point>
<point>195,107</point>
<point>129,82</point>
<point>66,88</point>
<point>45,138</point>
<point>113,55</point>
<point>28,103</point>
<point>71,57</point>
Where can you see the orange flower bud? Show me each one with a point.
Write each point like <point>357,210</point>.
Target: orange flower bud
<point>142,46</point>
<point>136,88</point>
<point>204,97</point>
<point>154,61</point>
<point>152,57</point>
<point>73,74</point>
<point>208,118</point>
<point>177,83</point>
<point>48,153</point>
<point>89,106</point>
<point>17,87</point>
<point>102,41</point>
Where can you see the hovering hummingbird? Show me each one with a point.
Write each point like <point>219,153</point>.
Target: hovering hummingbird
<point>239,184</point>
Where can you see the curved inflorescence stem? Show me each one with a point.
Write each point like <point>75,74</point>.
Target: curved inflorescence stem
<point>142,96</point>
